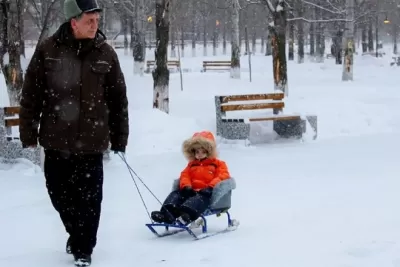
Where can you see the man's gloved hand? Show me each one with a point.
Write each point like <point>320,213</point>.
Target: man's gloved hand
<point>207,192</point>
<point>187,191</point>
<point>117,149</point>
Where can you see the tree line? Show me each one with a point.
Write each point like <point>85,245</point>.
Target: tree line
<point>276,24</point>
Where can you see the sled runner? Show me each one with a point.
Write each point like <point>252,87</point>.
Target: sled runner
<point>220,204</point>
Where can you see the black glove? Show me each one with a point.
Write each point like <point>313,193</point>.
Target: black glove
<point>187,191</point>
<point>117,149</point>
<point>207,192</point>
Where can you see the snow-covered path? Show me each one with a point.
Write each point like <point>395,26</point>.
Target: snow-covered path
<point>330,203</point>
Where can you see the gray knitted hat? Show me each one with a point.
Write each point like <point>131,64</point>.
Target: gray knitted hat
<point>73,8</point>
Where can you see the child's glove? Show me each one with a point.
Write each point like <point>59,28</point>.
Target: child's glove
<point>207,192</point>
<point>188,191</point>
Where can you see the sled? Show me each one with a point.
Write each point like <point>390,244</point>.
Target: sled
<point>220,204</point>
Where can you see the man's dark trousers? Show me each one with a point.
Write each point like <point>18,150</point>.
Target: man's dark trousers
<point>75,186</point>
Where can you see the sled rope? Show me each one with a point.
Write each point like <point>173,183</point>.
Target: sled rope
<point>133,174</point>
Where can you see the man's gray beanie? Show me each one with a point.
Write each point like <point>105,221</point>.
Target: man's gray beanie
<point>74,8</point>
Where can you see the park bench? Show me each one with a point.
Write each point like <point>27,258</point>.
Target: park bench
<point>216,65</point>
<point>395,61</point>
<point>238,128</point>
<point>150,64</point>
<point>10,145</point>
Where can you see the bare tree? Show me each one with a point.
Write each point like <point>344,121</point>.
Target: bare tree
<point>235,53</point>
<point>43,15</point>
<point>134,13</point>
<point>348,54</point>
<point>161,72</point>
<point>278,30</point>
<point>10,56</point>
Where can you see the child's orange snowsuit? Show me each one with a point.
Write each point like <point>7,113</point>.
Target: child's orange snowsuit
<point>200,174</point>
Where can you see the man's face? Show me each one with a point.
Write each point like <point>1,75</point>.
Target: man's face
<point>86,26</point>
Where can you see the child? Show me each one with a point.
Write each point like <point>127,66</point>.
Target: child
<point>196,182</point>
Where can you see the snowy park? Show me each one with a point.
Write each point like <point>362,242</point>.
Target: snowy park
<point>292,105</point>
<point>326,202</point>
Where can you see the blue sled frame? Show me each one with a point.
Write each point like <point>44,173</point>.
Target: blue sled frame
<point>202,221</point>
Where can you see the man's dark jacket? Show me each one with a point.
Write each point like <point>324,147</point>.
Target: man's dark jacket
<point>75,91</point>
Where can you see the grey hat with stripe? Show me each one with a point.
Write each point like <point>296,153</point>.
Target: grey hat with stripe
<point>74,8</point>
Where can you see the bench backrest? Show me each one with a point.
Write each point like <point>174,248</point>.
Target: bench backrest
<point>277,106</point>
<point>218,61</point>
<point>223,104</point>
<point>170,63</point>
<point>8,120</point>
<point>216,64</point>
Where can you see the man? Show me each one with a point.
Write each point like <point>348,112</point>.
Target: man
<point>75,91</point>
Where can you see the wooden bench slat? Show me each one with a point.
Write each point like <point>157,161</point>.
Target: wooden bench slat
<point>274,96</point>
<point>221,61</point>
<point>11,111</point>
<point>11,122</point>
<point>276,105</point>
<point>168,62</point>
<point>277,118</point>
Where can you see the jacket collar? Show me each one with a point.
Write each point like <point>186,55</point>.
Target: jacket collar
<point>65,36</point>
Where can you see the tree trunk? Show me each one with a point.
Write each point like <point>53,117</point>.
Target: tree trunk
<point>348,54</point>
<point>224,34</point>
<point>253,41</point>
<point>300,34</point>
<point>194,28</point>
<point>312,39</point>
<point>125,31</point>
<point>319,57</point>
<point>279,48</point>
<point>139,49</point>
<point>215,39</point>
<point>394,27</point>
<point>204,35</point>
<point>21,6</point>
<point>133,33</point>
<point>364,42</point>
<point>182,42</point>
<point>262,43</point>
<point>161,72</point>
<point>338,44</point>
<point>235,53</point>
<point>370,37</point>
<point>173,39</point>
<point>4,6</point>
<point>268,49</point>
<point>291,40</point>
<point>12,70</point>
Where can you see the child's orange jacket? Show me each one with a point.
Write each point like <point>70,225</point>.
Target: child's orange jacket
<point>200,174</point>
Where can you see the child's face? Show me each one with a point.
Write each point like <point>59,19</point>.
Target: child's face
<point>200,153</point>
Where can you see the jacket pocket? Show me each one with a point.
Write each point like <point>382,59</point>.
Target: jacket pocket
<point>100,69</point>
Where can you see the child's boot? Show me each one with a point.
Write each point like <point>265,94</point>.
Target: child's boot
<point>161,217</point>
<point>158,216</point>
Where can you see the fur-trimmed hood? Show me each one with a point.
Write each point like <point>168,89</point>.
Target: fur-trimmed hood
<point>203,140</point>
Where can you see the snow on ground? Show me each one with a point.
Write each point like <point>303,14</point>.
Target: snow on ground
<point>331,202</point>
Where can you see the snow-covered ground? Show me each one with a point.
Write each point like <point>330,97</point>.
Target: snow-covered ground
<point>332,202</point>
